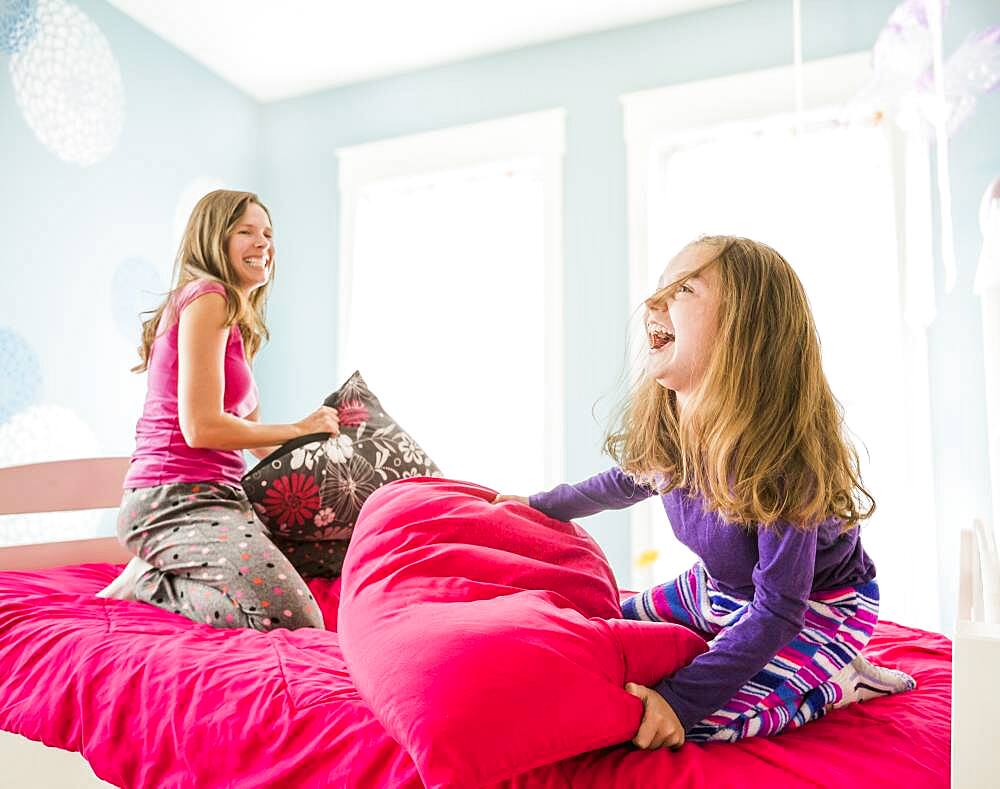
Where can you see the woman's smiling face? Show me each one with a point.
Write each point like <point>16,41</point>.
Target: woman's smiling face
<point>250,248</point>
<point>682,323</point>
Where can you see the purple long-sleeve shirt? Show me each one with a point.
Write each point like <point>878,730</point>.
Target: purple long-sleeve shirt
<point>775,569</point>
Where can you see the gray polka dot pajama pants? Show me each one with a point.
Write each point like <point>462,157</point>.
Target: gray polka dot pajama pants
<point>213,560</point>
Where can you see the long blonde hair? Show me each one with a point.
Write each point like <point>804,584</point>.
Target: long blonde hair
<point>762,437</point>
<point>202,255</point>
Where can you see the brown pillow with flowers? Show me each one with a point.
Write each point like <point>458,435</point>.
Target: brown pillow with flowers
<point>309,491</point>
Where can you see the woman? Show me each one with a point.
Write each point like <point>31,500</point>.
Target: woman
<point>200,551</point>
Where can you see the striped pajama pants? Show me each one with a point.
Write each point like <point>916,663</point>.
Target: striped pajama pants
<point>793,687</point>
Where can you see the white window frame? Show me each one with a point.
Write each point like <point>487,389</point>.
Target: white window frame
<point>655,119</point>
<point>537,134</point>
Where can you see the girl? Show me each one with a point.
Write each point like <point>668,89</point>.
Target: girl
<point>735,427</point>
<point>200,551</point>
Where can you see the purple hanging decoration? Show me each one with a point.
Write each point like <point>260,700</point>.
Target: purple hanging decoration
<point>972,71</point>
<point>901,56</point>
<point>903,75</point>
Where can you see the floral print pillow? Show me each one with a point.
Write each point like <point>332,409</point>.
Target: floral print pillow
<point>310,490</point>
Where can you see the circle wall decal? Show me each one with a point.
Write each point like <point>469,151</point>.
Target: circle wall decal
<point>68,85</point>
<point>18,24</point>
<point>20,374</point>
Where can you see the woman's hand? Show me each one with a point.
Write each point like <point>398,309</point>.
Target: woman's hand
<point>323,420</point>
<point>660,726</point>
<point>504,497</point>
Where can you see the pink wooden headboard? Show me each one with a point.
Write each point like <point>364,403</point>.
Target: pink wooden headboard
<point>57,486</point>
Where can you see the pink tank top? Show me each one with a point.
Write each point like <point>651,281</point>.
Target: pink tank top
<point>161,455</point>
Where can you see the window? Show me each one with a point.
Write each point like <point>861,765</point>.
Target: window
<point>451,292</point>
<point>822,193</point>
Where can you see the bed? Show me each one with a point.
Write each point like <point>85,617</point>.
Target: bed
<point>96,692</point>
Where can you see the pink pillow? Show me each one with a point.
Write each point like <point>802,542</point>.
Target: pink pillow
<point>486,638</point>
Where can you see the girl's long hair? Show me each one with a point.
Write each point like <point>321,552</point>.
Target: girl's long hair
<point>762,437</point>
<point>202,255</point>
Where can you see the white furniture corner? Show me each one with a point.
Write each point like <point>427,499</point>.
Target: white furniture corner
<point>92,483</point>
<point>975,748</point>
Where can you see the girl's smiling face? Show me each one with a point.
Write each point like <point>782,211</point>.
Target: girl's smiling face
<point>682,321</point>
<point>250,249</point>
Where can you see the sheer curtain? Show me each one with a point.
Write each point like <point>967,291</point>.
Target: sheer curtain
<point>823,196</point>
<point>446,314</point>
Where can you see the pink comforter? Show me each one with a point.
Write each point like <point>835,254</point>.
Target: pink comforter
<point>153,700</point>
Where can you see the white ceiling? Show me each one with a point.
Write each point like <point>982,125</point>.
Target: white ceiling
<point>273,50</point>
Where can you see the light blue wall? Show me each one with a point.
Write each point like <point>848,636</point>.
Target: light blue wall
<point>586,75</point>
<point>77,239</point>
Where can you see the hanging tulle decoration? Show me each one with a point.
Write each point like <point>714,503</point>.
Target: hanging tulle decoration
<point>928,98</point>
<point>902,83</point>
<point>901,57</point>
<point>971,71</point>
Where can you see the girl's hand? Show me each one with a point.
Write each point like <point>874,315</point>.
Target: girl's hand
<point>323,420</point>
<point>660,726</point>
<point>504,497</point>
